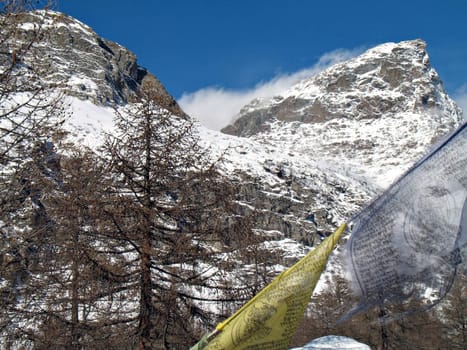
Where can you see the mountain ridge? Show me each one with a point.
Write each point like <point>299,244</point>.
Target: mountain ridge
<point>86,65</point>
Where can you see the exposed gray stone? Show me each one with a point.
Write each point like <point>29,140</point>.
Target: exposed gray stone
<point>84,64</point>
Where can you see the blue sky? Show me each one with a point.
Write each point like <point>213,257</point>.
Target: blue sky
<point>237,46</point>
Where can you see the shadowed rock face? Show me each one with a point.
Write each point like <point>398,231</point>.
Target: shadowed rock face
<point>389,79</point>
<point>84,64</point>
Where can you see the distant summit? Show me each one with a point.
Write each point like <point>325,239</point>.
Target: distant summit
<point>373,115</point>
<point>385,82</point>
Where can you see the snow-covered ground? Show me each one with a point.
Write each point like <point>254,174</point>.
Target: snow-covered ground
<point>334,342</point>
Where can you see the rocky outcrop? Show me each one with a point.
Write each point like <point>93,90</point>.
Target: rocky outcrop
<point>294,210</point>
<point>72,56</point>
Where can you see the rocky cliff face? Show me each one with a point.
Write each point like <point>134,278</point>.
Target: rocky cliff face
<point>84,64</point>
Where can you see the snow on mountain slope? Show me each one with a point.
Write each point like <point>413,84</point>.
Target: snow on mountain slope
<point>88,122</point>
<point>296,196</point>
<point>308,158</point>
<point>288,175</point>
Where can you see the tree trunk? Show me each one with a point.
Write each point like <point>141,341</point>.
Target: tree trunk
<point>383,331</point>
<point>146,306</point>
<point>74,295</point>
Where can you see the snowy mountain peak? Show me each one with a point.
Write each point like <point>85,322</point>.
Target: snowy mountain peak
<point>84,64</point>
<point>371,116</point>
<point>383,82</point>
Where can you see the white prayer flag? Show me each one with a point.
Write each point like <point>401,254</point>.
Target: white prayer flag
<point>409,241</point>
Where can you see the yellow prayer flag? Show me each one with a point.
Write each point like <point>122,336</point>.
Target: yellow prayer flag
<point>270,319</point>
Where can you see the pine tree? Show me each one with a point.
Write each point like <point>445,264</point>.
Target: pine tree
<point>84,305</point>
<point>171,212</point>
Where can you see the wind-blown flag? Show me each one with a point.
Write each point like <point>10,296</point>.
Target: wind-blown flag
<point>409,242</point>
<point>270,319</point>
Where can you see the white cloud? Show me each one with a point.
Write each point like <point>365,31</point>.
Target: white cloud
<point>216,107</point>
